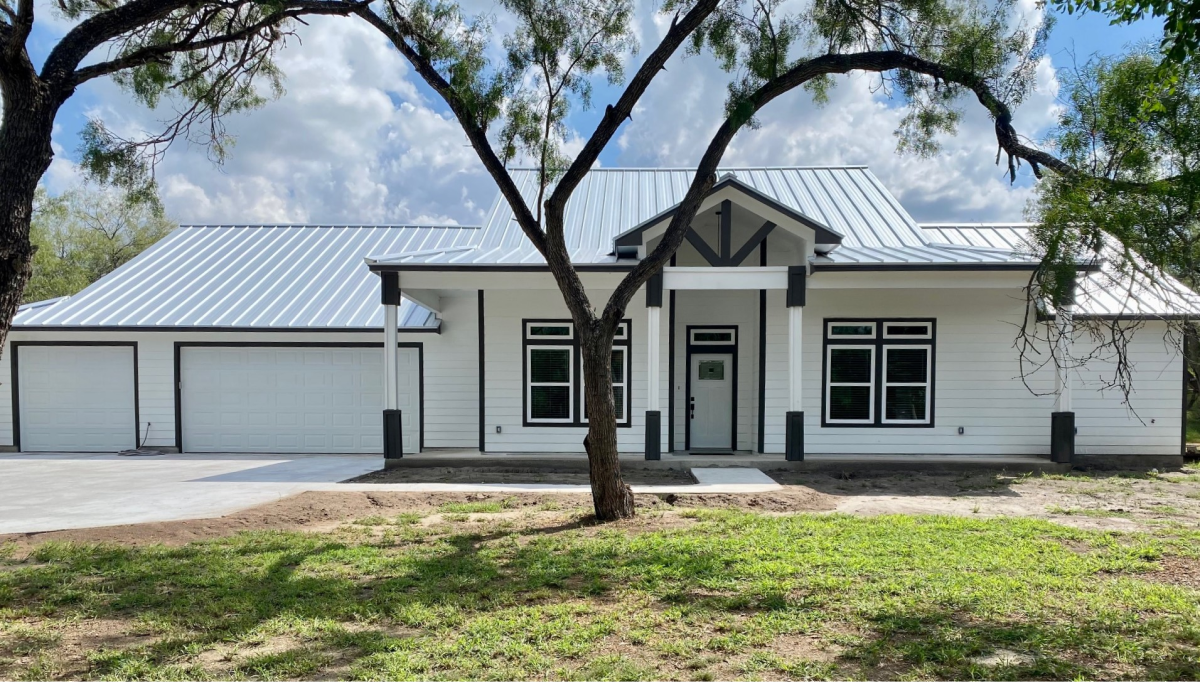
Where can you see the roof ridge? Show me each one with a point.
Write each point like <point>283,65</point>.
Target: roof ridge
<point>1014,223</point>
<point>336,226</point>
<point>846,166</point>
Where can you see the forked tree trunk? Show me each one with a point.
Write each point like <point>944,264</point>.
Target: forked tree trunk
<point>25,154</point>
<point>611,498</point>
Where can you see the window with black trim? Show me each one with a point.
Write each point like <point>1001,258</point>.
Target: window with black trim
<point>554,394</point>
<point>878,373</point>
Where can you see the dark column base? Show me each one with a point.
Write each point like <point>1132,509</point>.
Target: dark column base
<point>794,437</point>
<point>393,436</point>
<point>1062,437</point>
<point>653,435</point>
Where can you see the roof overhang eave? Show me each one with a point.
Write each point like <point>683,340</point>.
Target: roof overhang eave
<point>496,267</point>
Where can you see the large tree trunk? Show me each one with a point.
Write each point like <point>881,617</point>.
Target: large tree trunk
<point>25,154</point>
<point>611,498</point>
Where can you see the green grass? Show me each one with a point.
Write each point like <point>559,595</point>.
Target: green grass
<point>706,595</point>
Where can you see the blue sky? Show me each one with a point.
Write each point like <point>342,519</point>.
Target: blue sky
<point>359,139</point>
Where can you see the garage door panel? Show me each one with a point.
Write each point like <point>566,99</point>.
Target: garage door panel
<point>294,399</point>
<point>76,398</point>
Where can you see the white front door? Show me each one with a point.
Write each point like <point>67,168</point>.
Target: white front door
<point>710,406</point>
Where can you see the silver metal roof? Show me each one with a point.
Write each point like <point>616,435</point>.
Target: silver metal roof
<point>249,276</point>
<point>850,200</point>
<point>1108,292</point>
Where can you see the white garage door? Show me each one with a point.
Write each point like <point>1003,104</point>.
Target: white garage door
<point>292,399</point>
<point>76,398</point>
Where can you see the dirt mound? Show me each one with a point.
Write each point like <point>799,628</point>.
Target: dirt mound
<point>315,511</point>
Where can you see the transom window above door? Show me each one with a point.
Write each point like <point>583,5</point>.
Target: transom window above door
<point>878,373</point>
<point>712,337</point>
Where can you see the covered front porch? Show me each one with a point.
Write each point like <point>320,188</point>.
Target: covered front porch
<point>817,463</point>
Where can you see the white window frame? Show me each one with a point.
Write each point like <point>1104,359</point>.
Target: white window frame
<point>693,342</point>
<point>534,337</point>
<point>848,323</point>
<point>900,323</point>
<point>530,384</point>
<point>622,332</point>
<point>624,384</point>
<point>927,383</point>
<point>829,383</point>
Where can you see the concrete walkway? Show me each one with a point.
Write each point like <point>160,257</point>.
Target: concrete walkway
<point>57,491</point>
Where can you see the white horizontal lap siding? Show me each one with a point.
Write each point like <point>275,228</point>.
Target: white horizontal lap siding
<point>977,382</point>
<point>505,383</point>
<point>1151,424</point>
<point>452,375</point>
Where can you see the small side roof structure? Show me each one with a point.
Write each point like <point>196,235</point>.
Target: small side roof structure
<point>1102,292</point>
<point>252,277</point>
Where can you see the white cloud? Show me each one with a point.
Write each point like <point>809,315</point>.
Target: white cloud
<point>855,127</point>
<point>352,140</point>
<point>355,140</point>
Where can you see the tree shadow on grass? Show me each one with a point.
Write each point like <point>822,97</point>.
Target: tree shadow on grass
<point>536,601</point>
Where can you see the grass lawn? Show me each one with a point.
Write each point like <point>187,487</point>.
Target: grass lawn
<point>488,592</point>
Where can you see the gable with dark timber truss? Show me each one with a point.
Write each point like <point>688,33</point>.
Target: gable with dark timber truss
<point>723,254</point>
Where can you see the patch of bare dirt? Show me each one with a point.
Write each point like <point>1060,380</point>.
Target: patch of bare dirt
<point>1176,570</point>
<point>66,649</point>
<point>320,511</point>
<point>479,475</point>
<point>1092,500</point>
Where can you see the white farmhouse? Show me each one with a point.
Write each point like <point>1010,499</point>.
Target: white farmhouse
<point>806,313</point>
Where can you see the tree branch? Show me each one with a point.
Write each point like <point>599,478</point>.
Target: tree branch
<point>798,75</point>
<point>615,115</point>
<point>18,30</point>
<point>476,134</point>
<point>59,69</point>
<point>147,55</point>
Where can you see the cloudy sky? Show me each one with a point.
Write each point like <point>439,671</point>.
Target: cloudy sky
<point>356,139</point>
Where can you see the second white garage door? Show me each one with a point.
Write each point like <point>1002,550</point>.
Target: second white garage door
<point>318,399</point>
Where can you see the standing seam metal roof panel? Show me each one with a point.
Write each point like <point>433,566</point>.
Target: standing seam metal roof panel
<point>259,277</point>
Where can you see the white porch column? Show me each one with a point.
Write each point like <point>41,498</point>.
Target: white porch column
<point>797,293</point>
<point>390,338</point>
<point>653,353</point>
<point>393,429</point>
<point>654,296</point>
<point>1065,328</point>
<point>795,355</point>
<point>1062,420</point>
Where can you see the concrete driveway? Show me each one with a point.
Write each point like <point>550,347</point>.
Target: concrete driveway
<point>59,491</point>
<point>53,492</point>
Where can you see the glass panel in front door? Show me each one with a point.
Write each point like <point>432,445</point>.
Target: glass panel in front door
<point>710,406</point>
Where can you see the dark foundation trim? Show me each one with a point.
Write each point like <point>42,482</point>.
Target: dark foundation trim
<point>794,437</point>
<point>653,435</point>
<point>1062,437</point>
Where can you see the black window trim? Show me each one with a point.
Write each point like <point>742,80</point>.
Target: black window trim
<point>879,342</point>
<point>577,420</point>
